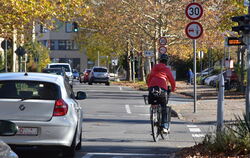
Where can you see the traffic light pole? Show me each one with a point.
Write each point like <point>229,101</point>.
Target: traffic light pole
<point>194,82</point>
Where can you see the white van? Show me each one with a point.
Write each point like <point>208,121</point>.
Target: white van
<point>66,67</point>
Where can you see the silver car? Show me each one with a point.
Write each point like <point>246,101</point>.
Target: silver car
<point>44,108</point>
<point>99,75</point>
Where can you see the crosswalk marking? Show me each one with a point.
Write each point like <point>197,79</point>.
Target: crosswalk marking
<point>194,130</point>
<point>198,135</point>
<point>191,126</point>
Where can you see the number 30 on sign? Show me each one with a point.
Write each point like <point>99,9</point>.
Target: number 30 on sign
<point>194,11</point>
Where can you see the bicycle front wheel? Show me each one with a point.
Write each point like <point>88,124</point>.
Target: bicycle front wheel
<point>154,124</point>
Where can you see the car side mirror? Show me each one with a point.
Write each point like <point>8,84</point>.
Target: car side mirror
<point>7,128</point>
<point>81,95</point>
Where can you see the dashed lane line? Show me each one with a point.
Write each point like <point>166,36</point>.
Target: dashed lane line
<point>127,109</point>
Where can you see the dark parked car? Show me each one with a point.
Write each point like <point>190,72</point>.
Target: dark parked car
<point>99,75</point>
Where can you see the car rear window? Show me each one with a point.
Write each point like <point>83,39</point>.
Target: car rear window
<point>66,67</point>
<point>100,70</point>
<point>29,90</point>
<point>53,71</point>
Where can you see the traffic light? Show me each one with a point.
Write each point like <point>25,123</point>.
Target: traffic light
<point>75,27</point>
<point>243,24</point>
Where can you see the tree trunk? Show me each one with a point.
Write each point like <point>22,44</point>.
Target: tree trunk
<point>129,71</point>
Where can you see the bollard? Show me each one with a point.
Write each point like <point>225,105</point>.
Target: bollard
<point>220,104</point>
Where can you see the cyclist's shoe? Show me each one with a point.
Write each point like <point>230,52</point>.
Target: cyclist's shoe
<point>165,128</point>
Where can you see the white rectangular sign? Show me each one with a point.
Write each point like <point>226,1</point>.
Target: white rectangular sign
<point>246,3</point>
<point>149,53</point>
<point>114,62</point>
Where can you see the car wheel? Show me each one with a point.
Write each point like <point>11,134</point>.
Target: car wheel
<point>69,152</point>
<point>107,83</point>
<point>233,85</point>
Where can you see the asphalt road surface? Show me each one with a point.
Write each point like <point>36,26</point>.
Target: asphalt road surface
<point>116,125</point>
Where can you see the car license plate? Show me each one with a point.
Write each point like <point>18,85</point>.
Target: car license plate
<point>27,131</point>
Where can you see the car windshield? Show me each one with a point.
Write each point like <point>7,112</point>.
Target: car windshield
<point>66,67</point>
<point>100,70</point>
<point>29,90</point>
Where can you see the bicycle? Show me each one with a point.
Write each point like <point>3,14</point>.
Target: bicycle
<point>156,118</point>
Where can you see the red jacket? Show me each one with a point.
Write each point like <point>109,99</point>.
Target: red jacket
<point>160,76</point>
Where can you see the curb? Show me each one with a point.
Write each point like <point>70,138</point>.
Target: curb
<point>176,114</point>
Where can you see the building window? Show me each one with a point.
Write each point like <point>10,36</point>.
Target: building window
<point>69,45</point>
<point>43,29</point>
<point>52,44</point>
<point>62,45</point>
<point>68,27</point>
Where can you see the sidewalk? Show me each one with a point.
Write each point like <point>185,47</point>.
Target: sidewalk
<point>206,107</point>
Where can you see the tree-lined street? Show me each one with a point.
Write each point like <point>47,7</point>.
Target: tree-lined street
<point>118,43</point>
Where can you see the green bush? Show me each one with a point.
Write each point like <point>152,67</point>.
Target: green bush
<point>233,140</point>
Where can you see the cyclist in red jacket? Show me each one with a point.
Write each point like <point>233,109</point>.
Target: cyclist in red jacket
<point>161,76</point>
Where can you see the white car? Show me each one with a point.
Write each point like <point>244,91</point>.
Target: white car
<point>66,67</point>
<point>44,108</point>
<point>211,80</point>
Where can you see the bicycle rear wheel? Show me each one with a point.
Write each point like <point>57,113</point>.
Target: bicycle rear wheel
<point>164,135</point>
<point>154,124</point>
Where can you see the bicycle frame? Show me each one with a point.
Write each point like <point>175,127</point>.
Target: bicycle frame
<point>156,118</point>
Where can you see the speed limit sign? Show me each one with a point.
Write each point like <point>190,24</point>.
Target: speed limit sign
<point>194,11</point>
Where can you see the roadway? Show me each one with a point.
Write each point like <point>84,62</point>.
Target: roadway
<point>116,125</point>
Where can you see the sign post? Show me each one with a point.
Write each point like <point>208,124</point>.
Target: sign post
<point>194,31</point>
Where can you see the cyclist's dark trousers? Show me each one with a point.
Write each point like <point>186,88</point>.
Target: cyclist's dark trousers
<point>164,111</point>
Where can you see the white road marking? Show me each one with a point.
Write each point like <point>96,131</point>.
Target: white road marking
<point>89,155</point>
<point>194,130</point>
<point>191,126</point>
<point>128,109</point>
<point>142,106</point>
<point>144,114</point>
<point>120,88</point>
<point>198,135</point>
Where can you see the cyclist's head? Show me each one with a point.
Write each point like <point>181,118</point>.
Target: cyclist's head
<point>164,58</point>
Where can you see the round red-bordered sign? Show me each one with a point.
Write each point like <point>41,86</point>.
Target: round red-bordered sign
<point>162,40</point>
<point>194,30</point>
<point>162,50</point>
<point>194,11</point>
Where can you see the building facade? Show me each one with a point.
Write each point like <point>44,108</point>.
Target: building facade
<point>62,44</point>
